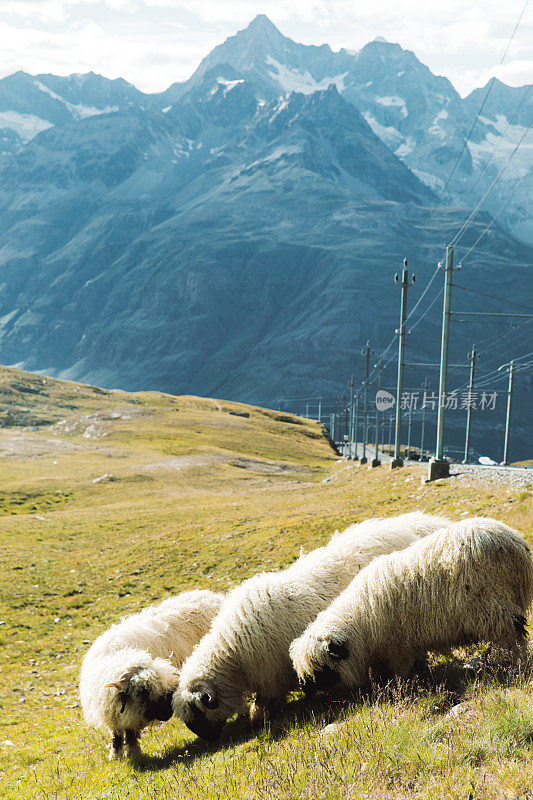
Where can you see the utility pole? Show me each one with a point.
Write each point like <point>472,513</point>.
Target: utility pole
<point>366,352</point>
<point>409,425</point>
<point>320,409</point>
<point>425,388</point>
<point>505,461</point>
<point>439,467</point>
<point>404,285</point>
<point>350,420</point>
<point>375,461</point>
<point>356,426</point>
<point>307,410</point>
<point>344,421</point>
<point>473,358</point>
<point>332,427</point>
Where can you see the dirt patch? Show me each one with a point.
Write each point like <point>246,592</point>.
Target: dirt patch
<point>186,462</point>
<point>22,445</point>
<point>256,465</point>
<point>95,426</point>
<point>266,467</point>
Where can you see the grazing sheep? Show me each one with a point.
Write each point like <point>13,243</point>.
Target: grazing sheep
<point>468,583</point>
<point>246,652</point>
<point>130,672</point>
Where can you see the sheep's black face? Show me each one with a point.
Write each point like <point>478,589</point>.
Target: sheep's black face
<point>337,651</point>
<point>321,680</point>
<point>160,709</point>
<point>203,727</point>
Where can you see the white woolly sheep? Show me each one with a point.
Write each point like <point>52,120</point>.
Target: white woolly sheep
<point>130,672</point>
<point>246,652</point>
<point>469,583</point>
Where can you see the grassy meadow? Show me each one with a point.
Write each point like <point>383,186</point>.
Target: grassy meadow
<point>110,501</point>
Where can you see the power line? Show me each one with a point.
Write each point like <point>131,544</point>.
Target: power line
<point>501,139</point>
<point>437,297</point>
<point>384,352</point>
<point>493,337</point>
<point>465,225</point>
<point>422,295</point>
<point>495,217</point>
<point>489,89</point>
<point>514,31</point>
<point>492,375</point>
<point>492,296</point>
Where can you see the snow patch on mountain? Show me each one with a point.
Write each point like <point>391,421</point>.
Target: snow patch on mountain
<point>405,148</point>
<point>282,105</point>
<point>25,125</point>
<point>389,135</point>
<point>43,88</point>
<point>79,111</point>
<point>499,147</point>
<point>394,102</point>
<point>278,152</point>
<point>432,181</point>
<point>228,85</point>
<point>293,80</point>
<point>82,112</point>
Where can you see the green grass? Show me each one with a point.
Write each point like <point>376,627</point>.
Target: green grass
<point>198,497</point>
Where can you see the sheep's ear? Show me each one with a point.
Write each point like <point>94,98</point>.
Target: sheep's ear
<point>337,651</point>
<point>122,686</point>
<point>208,700</point>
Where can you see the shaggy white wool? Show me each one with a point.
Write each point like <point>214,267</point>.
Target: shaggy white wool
<point>468,583</point>
<point>131,667</point>
<point>247,649</point>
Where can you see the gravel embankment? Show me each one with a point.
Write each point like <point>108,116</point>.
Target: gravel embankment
<point>514,477</point>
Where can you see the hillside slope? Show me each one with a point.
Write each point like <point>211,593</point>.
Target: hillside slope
<point>111,501</point>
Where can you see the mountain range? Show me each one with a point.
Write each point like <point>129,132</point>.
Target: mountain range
<point>237,235</point>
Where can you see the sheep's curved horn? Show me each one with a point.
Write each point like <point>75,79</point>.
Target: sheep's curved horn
<point>117,685</point>
<point>208,700</point>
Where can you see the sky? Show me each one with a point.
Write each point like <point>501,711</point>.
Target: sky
<point>153,43</point>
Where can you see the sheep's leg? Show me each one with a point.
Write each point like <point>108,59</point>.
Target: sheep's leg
<point>420,664</point>
<point>514,641</point>
<point>401,664</point>
<point>115,748</point>
<point>262,709</point>
<point>132,744</point>
<point>509,638</point>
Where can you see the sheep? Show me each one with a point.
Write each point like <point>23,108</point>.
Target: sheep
<point>468,583</point>
<point>130,672</point>
<point>246,651</point>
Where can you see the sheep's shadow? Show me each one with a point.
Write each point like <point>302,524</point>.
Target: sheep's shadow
<point>235,732</point>
<point>240,730</point>
<point>451,679</point>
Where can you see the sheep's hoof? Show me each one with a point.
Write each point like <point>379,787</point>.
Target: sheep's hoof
<point>114,754</point>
